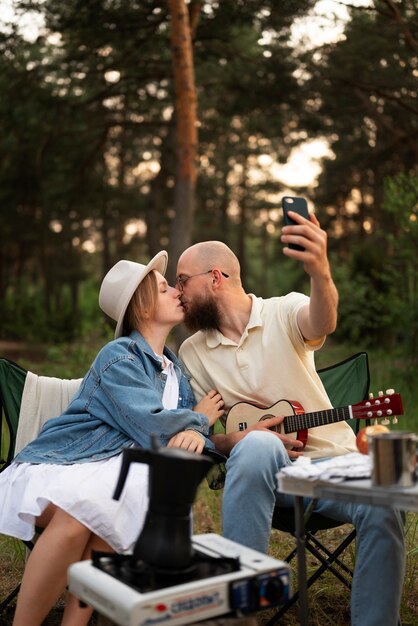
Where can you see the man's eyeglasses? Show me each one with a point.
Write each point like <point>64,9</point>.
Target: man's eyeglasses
<point>182,279</point>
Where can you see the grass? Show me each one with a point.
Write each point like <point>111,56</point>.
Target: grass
<point>329,600</point>
<point>12,554</point>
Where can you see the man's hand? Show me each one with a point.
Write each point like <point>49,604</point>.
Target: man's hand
<point>189,440</point>
<point>309,235</point>
<point>319,318</point>
<point>225,443</point>
<point>211,405</point>
<point>289,442</point>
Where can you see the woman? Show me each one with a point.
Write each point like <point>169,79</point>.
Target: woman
<point>63,481</point>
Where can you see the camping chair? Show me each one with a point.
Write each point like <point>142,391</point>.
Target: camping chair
<point>346,383</point>
<point>12,381</point>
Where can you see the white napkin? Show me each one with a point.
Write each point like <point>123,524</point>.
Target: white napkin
<point>339,468</point>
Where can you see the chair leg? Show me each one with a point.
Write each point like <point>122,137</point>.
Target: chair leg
<point>5,603</point>
<point>332,557</point>
<point>326,565</point>
<point>311,536</point>
<point>327,562</point>
<point>325,550</point>
<point>290,556</point>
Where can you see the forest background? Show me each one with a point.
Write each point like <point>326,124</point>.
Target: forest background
<point>125,130</point>
<point>132,126</point>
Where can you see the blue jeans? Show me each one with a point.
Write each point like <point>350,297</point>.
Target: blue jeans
<point>250,496</point>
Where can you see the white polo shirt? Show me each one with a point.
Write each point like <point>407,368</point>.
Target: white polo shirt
<point>271,362</point>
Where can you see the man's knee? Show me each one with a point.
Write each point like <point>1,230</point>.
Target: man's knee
<point>379,519</point>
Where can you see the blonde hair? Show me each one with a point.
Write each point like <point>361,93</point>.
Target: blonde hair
<point>142,305</point>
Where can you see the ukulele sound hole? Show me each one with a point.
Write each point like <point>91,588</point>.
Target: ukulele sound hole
<point>267,416</point>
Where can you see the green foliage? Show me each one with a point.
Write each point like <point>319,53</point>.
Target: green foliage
<point>88,144</point>
<point>24,316</point>
<point>365,314</point>
<point>401,198</point>
<point>378,283</point>
<point>73,361</point>
<point>400,201</point>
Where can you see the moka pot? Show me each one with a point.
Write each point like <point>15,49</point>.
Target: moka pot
<point>174,476</point>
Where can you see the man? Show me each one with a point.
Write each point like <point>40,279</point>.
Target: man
<point>262,350</point>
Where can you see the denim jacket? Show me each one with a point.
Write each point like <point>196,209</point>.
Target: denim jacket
<point>119,404</point>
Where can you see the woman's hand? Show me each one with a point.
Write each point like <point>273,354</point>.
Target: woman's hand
<point>189,440</point>
<point>211,405</point>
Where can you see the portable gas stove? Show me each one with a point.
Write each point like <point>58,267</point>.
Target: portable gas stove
<point>224,578</point>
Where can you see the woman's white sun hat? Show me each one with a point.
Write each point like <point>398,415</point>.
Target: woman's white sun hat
<point>120,283</point>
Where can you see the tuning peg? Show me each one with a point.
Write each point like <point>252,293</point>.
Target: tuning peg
<point>385,421</point>
<point>395,420</point>
<point>390,392</point>
<point>380,394</point>
<point>371,396</point>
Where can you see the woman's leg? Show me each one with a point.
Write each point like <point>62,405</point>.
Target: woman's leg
<point>74,614</point>
<point>61,543</point>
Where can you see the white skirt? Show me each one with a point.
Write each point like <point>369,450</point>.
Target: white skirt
<point>84,490</point>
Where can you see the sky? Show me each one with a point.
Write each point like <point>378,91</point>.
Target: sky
<point>326,22</point>
<point>28,22</point>
<point>324,25</point>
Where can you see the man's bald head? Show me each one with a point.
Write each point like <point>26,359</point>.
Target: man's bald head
<point>207,255</point>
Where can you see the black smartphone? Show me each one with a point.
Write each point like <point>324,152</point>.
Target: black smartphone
<point>299,205</point>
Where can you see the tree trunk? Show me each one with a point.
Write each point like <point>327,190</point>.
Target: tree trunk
<point>186,132</point>
<point>243,223</point>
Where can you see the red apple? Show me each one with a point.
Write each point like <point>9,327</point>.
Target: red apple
<point>363,433</point>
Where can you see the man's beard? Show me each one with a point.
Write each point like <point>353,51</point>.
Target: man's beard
<point>202,314</point>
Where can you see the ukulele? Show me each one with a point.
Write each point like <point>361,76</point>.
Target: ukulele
<point>242,415</point>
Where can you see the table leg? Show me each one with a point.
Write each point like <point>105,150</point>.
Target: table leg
<point>300,545</point>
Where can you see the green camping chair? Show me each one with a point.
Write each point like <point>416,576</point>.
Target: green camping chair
<point>12,381</point>
<point>346,383</point>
